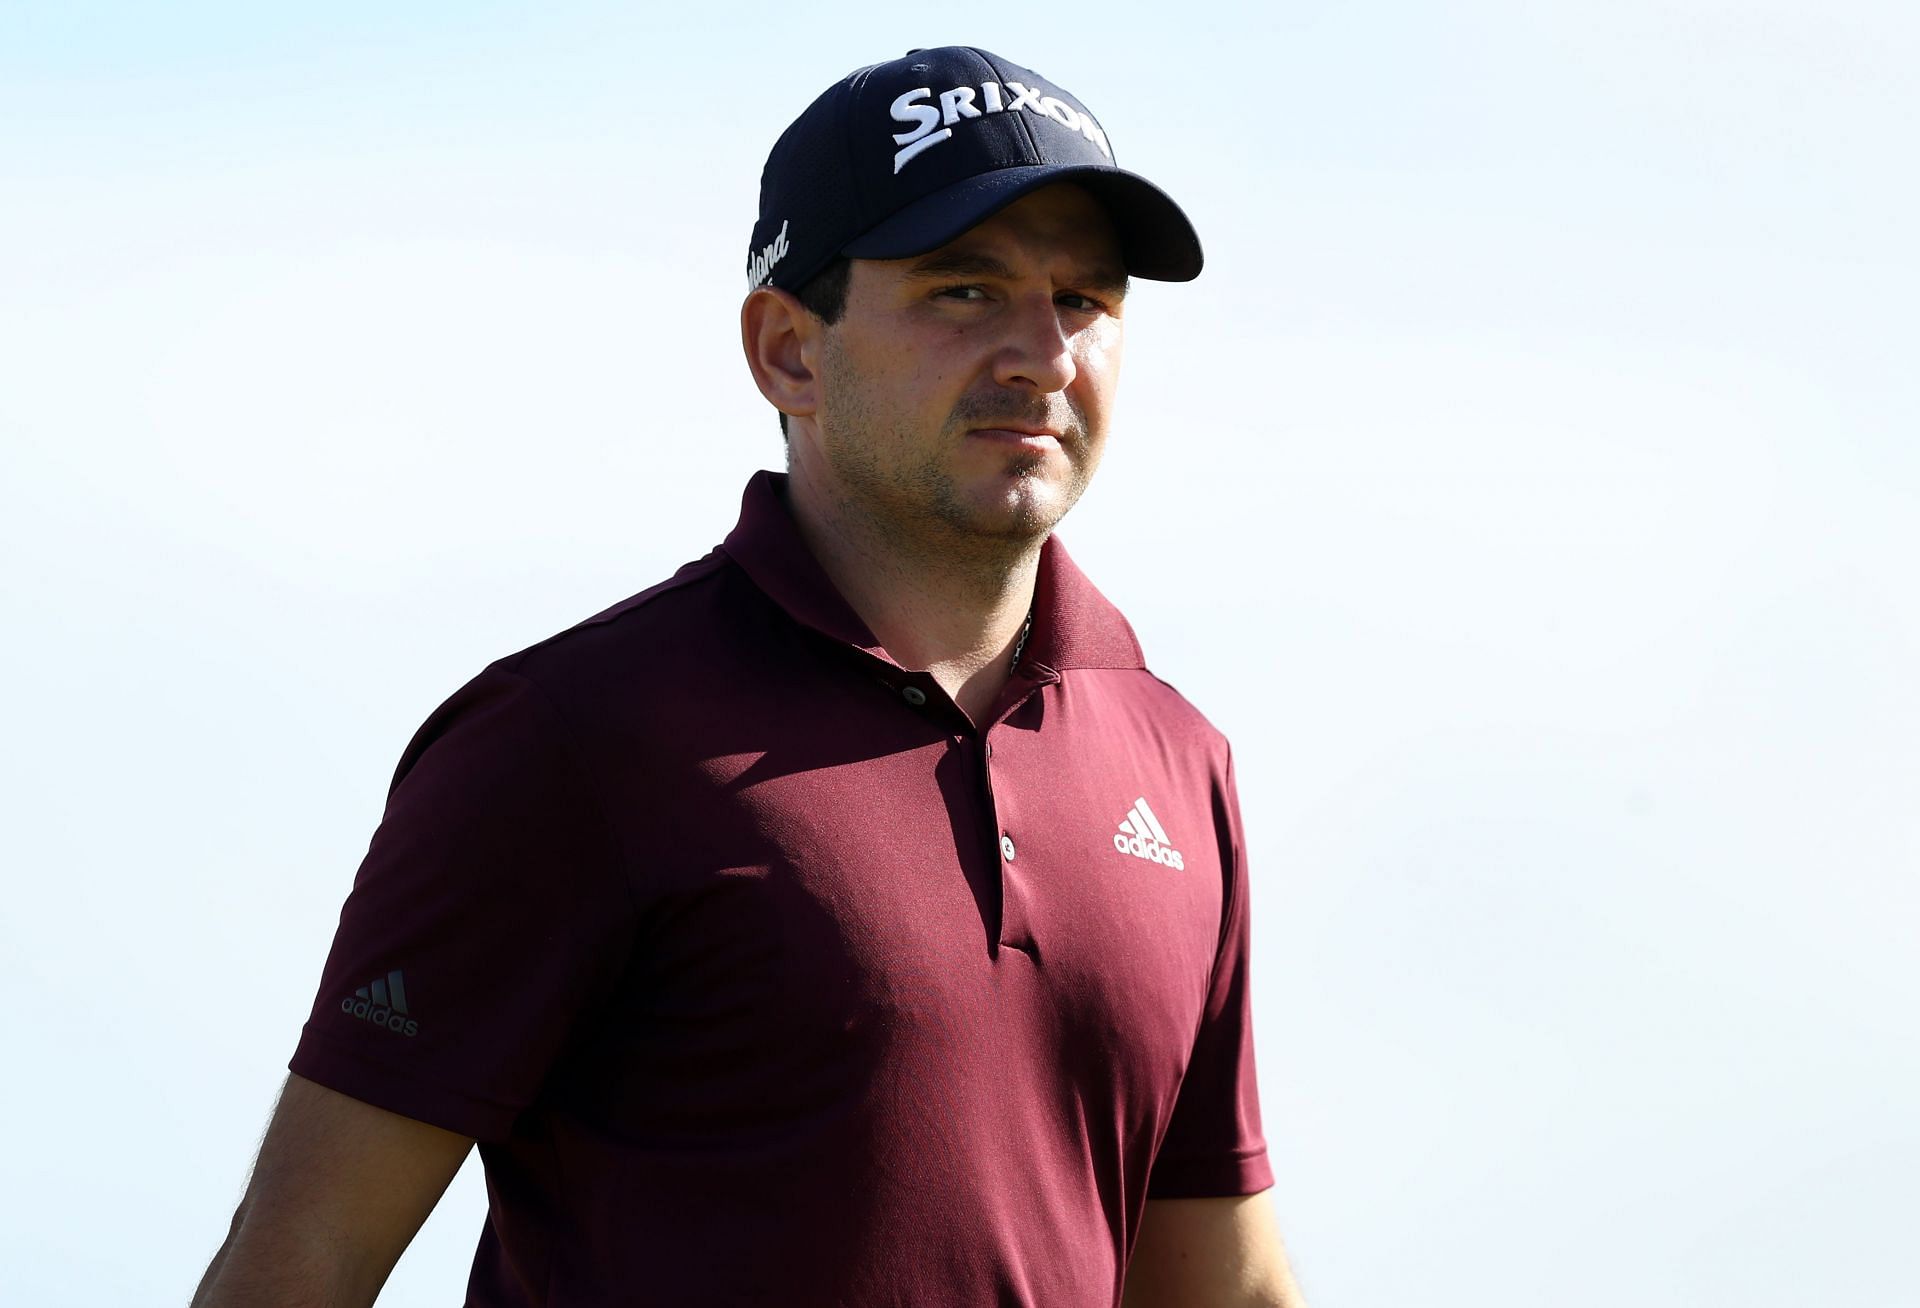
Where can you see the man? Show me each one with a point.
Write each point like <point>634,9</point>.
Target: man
<point>851,919</point>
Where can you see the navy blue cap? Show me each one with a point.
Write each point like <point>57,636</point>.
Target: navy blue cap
<point>899,158</point>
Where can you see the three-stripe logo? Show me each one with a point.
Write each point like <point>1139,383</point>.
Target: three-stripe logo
<point>383,1003</point>
<point>1142,836</point>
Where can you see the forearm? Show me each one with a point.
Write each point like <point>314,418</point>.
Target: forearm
<point>1272,1287</point>
<point>1282,1290</point>
<point>259,1266</point>
<point>339,1190</point>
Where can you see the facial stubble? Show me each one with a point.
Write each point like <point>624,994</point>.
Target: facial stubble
<point>917,501</point>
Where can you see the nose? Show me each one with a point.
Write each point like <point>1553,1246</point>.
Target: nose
<point>1037,352</point>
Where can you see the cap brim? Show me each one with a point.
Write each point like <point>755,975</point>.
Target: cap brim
<point>1156,240</point>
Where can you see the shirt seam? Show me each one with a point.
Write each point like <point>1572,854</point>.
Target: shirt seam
<point>1240,1154</point>
<point>1235,874</point>
<point>701,570</point>
<point>344,1049</point>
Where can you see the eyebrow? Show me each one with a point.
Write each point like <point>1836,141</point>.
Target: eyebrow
<point>963,263</point>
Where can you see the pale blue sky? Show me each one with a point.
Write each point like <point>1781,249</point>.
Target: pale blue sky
<point>1529,487</point>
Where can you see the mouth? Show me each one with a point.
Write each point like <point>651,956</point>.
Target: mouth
<point>1036,438</point>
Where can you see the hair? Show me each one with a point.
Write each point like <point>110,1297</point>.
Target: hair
<point>824,295</point>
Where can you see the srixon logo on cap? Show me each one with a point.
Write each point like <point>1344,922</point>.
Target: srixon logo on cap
<point>935,124</point>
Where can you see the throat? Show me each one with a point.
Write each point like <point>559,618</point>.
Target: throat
<point>935,605</point>
<point>975,687</point>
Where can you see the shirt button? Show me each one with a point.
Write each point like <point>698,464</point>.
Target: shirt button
<point>914,696</point>
<point>1006,847</point>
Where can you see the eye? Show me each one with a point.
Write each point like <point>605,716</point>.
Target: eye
<point>962,293</point>
<point>1083,303</point>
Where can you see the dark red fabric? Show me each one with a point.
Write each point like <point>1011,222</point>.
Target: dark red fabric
<point>706,931</point>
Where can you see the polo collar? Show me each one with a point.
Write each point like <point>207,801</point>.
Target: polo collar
<point>1074,625</point>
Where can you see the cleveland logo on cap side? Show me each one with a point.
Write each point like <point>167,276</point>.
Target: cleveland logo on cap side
<point>760,266</point>
<point>958,103</point>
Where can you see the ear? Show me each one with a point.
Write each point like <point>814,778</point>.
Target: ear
<point>782,341</point>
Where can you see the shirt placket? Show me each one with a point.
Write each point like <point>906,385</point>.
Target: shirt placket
<point>1010,923</point>
<point>1019,880</point>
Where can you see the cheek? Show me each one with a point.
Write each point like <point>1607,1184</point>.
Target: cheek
<point>875,378</point>
<point>1097,362</point>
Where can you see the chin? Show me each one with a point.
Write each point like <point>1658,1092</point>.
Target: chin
<point>1026,508</point>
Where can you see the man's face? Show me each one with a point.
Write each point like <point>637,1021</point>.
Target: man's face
<point>967,392</point>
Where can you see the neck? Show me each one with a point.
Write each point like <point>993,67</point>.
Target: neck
<point>950,605</point>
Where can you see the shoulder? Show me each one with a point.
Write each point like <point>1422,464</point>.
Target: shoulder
<point>696,628</point>
<point>1171,702</point>
<point>665,615</point>
<point>1151,704</point>
<point>625,664</point>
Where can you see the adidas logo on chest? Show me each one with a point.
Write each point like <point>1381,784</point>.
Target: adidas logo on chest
<point>1142,836</point>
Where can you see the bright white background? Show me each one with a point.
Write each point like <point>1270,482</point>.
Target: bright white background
<point>1529,487</point>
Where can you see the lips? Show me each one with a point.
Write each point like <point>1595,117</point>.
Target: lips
<point>1017,435</point>
<point>1037,423</point>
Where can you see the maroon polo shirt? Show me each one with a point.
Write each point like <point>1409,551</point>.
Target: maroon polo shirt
<point>764,976</point>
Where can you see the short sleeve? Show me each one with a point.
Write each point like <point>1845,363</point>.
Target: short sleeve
<point>489,916</point>
<point>1213,1146</point>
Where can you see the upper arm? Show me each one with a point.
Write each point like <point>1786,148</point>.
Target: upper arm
<point>1213,1143</point>
<point>1210,1253</point>
<point>339,1189</point>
